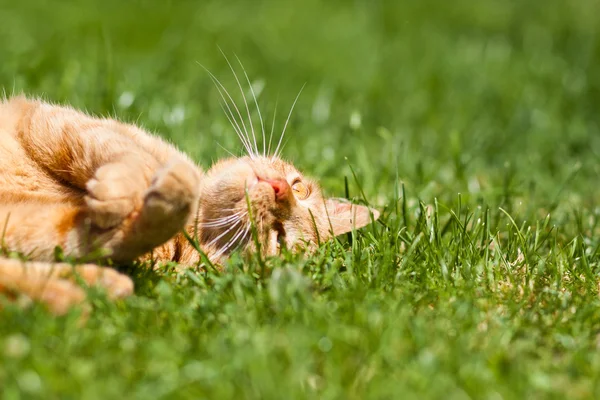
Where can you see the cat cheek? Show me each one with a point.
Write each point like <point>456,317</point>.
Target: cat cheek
<point>251,182</point>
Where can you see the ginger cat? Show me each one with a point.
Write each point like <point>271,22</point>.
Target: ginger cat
<point>84,183</point>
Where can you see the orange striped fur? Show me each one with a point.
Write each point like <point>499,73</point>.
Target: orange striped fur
<point>84,183</point>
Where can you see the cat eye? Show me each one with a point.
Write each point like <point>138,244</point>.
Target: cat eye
<point>301,191</point>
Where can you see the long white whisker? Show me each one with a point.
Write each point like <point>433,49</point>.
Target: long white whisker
<point>276,154</point>
<point>226,245</point>
<point>220,224</point>
<point>262,126</point>
<point>239,131</point>
<point>217,83</point>
<point>223,249</point>
<point>223,147</point>
<point>231,117</point>
<point>225,219</point>
<point>237,236</point>
<point>245,130</point>
<point>246,145</point>
<point>222,221</point>
<point>245,102</point>
<point>285,143</point>
<point>225,232</point>
<point>273,125</point>
<point>241,233</point>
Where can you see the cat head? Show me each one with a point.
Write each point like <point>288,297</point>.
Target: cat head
<point>263,194</point>
<point>287,208</point>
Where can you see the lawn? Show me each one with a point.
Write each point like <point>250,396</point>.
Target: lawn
<point>473,126</point>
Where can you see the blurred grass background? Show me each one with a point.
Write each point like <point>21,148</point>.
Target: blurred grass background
<point>495,100</point>
<point>472,89</point>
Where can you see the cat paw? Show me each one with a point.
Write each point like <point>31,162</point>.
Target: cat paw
<point>115,192</point>
<point>117,285</point>
<point>63,293</point>
<point>59,296</point>
<point>170,199</point>
<point>147,208</point>
<point>173,190</point>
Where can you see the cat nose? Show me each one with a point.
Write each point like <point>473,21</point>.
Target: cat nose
<point>280,187</point>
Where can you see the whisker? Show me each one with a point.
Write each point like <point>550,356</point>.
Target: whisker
<point>237,211</point>
<point>234,123</point>
<point>273,125</point>
<point>245,102</point>
<point>233,241</point>
<point>212,224</point>
<point>219,225</point>
<point>240,239</point>
<point>240,135</point>
<point>225,218</point>
<point>223,147</point>
<point>217,83</point>
<point>262,127</point>
<point>222,221</point>
<point>239,130</point>
<point>276,154</point>
<point>223,249</point>
<point>232,120</point>
<point>225,232</point>
<point>238,235</point>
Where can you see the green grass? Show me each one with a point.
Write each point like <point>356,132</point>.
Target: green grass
<point>473,126</point>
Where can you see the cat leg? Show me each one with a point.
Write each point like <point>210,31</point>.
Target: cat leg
<point>163,211</point>
<point>54,284</point>
<point>71,146</point>
<point>34,228</point>
<point>139,191</point>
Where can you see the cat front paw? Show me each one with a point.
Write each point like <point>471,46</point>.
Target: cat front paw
<point>170,201</point>
<point>117,285</point>
<point>115,192</point>
<point>60,296</point>
<point>174,190</point>
<point>142,212</point>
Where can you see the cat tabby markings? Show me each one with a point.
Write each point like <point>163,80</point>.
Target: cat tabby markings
<point>83,183</point>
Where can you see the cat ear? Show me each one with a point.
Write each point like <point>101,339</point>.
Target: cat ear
<point>345,216</point>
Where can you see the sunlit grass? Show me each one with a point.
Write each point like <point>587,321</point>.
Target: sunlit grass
<point>473,127</point>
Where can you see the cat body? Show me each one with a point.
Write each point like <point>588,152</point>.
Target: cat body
<point>86,184</point>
